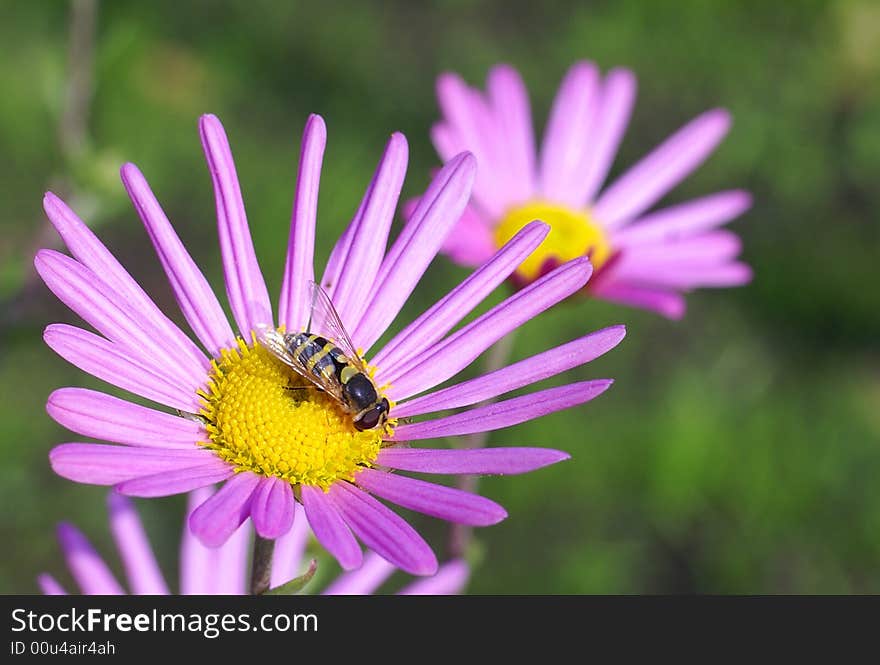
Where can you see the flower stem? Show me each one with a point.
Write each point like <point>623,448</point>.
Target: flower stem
<point>261,568</point>
<point>460,535</point>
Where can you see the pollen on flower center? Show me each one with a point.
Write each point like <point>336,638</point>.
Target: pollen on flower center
<point>262,417</point>
<point>573,233</point>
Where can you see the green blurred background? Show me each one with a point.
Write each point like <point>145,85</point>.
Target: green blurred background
<point>738,451</point>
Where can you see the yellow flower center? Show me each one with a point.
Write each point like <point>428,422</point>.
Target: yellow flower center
<point>263,417</point>
<point>572,234</point>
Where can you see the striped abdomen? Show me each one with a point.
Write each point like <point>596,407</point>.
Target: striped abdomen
<point>322,359</point>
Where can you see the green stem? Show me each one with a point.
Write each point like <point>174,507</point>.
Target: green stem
<point>460,535</point>
<point>261,567</point>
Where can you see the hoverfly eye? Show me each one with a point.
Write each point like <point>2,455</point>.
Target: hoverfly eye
<point>371,418</point>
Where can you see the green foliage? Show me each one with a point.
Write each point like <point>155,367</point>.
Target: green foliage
<point>738,450</point>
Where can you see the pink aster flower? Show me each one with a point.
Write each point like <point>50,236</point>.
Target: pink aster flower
<point>247,421</point>
<point>220,570</point>
<point>643,257</point>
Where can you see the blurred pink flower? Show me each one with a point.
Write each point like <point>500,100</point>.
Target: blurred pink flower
<point>642,257</point>
<point>221,570</point>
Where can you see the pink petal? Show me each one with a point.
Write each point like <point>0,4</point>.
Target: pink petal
<point>141,568</point>
<point>100,306</point>
<point>219,517</point>
<point>330,529</point>
<point>495,461</point>
<point>687,276</point>
<point>459,350</point>
<point>383,531</point>
<point>471,242</point>
<point>469,125</point>
<point>445,503</point>
<point>100,464</point>
<point>194,295</point>
<point>517,375</point>
<point>50,586</point>
<point>661,170</point>
<point>299,267</point>
<point>102,416</point>
<point>668,303</point>
<point>289,549</point>
<point>364,581</point>
<point>177,481</point>
<point>97,259</point>
<point>120,367</point>
<point>369,233</point>
<point>92,575</point>
<point>450,580</point>
<point>428,328</point>
<point>686,219</point>
<point>568,137</point>
<point>703,249</point>
<point>212,570</point>
<point>505,413</point>
<point>272,507</point>
<point>245,287</point>
<point>510,105</point>
<point>416,246</point>
<point>612,117</point>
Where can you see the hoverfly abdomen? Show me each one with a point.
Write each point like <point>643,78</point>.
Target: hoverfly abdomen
<point>331,363</point>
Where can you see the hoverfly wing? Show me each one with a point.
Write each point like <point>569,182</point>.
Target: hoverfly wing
<point>273,341</point>
<point>325,320</point>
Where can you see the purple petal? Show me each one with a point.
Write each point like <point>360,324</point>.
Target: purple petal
<point>383,531</point>
<point>272,507</point>
<point>219,517</point>
<point>177,481</point>
<point>517,375</point>
<point>450,580</point>
<point>568,136</point>
<point>612,116</point>
<point>428,328</point>
<point>505,413</point>
<point>92,575</point>
<point>212,570</point>
<point>363,581</point>
<point>335,264</point>
<point>510,104</point>
<point>245,288</point>
<point>97,259</point>
<point>194,295</point>
<point>369,233</point>
<point>685,219</point>
<point>289,549</point>
<point>94,301</point>
<point>141,569</point>
<point>100,464</point>
<point>457,351</point>
<point>330,529</point>
<point>661,170</point>
<point>50,586</point>
<point>669,304</point>
<point>119,367</point>
<point>299,268</point>
<point>445,503</point>
<point>102,416</point>
<point>494,461</point>
<point>416,246</point>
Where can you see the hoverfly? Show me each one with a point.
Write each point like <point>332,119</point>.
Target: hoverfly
<point>330,361</point>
